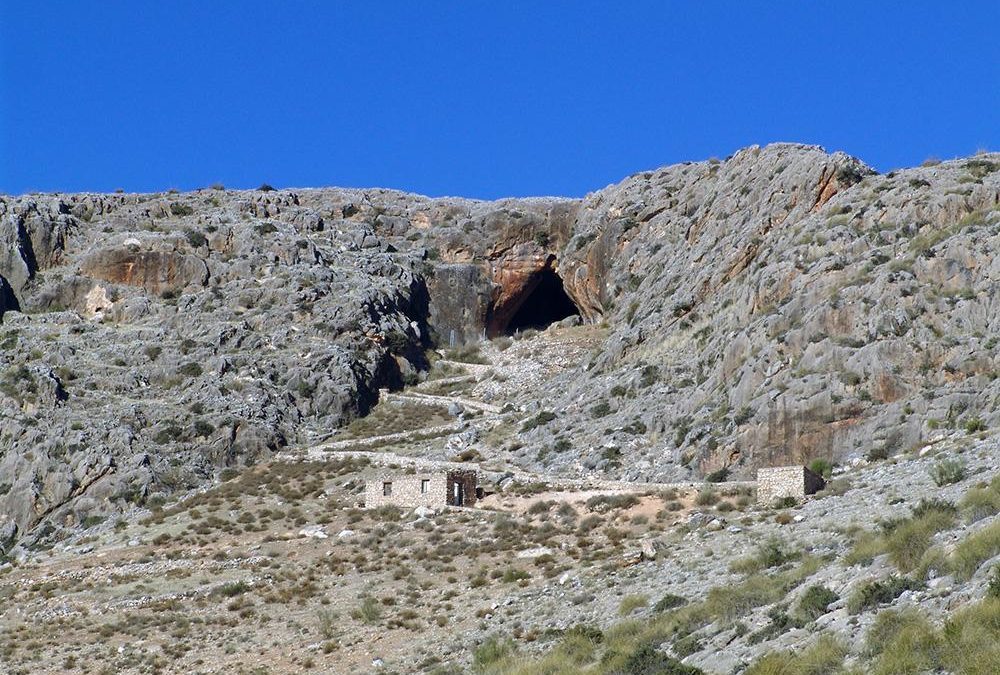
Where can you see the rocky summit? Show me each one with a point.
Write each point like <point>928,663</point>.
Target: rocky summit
<point>195,389</point>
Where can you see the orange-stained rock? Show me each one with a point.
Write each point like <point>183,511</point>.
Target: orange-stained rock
<point>156,271</point>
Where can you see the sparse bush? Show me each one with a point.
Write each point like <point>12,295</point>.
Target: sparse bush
<point>512,575</point>
<point>502,343</point>
<point>327,620</point>
<point>605,503</point>
<point>974,425</point>
<point>742,415</point>
<point>368,611</point>
<point>466,354</point>
<point>706,498</point>
<point>947,471</point>
<point>630,603</point>
<point>232,589</point>
<point>878,453</point>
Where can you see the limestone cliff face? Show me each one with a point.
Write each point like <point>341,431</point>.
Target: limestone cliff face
<point>783,304</point>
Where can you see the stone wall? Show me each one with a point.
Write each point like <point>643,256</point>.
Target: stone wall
<point>777,482</point>
<point>408,491</point>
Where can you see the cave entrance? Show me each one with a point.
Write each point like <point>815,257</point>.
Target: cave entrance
<point>543,305</point>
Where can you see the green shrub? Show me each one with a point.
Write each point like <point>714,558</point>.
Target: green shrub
<point>971,639</point>
<point>605,503</point>
<point>993,588</point>
<point>771,553</point>
<point>512,575</point>
<point>368,611</point>
<point>630,603</point>
<point>195,238</point>
<point>981,502</point>
<point>203,428</point>
<point>974,425</point>
<point>814,602</point>
<point>822,467</point>
<point>602,409</point>
<point>190,369</point>
<point>646,659</point>
<point>974,550</point>
<point>873,593</point>
<point>706,498</point>
<point>742,415</point>
<point>669,601</point>
<point>232,589</point>
<point>908,541</point>
<point>905,642</point>
<point>466,354</point>
<point>935,506</point>
<point>493,650</point>
<point>947,472</point>
<point>823,657</point>
<point>543,417</point>
<point>179,209</point>
<point>785,502</point>
<point>718,476</point>
<point>735,600</point>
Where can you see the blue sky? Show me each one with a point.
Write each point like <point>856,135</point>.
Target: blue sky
<point>480,99</point>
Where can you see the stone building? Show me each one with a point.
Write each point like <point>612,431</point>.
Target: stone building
<point>434,489</point>
<point>777,482</point>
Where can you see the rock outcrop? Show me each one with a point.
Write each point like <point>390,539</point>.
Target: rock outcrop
<point>777,306</point>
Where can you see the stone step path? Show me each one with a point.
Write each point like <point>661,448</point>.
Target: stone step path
<point>438,400</point>
<point>479,370</point>
<point>444,381</point>
<point>334,446</point>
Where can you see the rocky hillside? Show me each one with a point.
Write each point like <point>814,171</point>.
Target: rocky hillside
<point>783,304</point>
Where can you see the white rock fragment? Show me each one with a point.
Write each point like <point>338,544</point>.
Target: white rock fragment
<point>537,552</point>
<point>313,532</point>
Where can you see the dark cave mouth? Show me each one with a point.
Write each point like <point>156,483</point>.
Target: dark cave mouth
<point>543,305</point>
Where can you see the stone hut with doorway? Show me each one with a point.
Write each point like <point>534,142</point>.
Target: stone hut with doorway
<point>433,489</point>
<point>778,482</point>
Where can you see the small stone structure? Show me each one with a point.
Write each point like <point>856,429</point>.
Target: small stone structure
<point>433,489</point>
<point>776,482</point>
